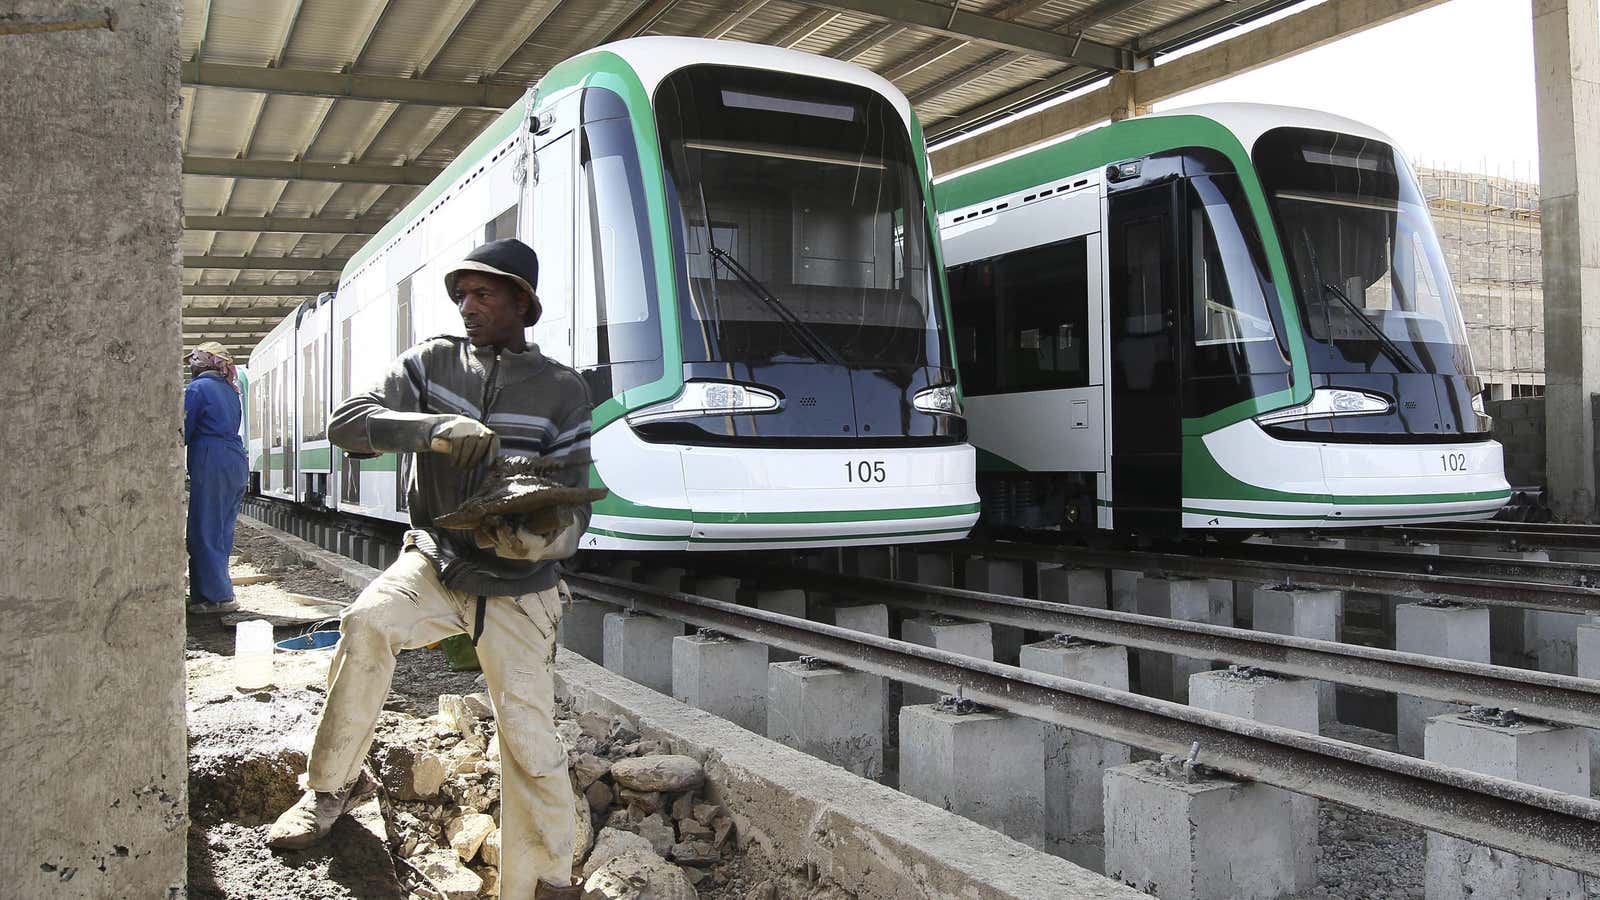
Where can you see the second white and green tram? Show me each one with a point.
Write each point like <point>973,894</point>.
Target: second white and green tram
<point>1226,317</point>
<point>737,251</point>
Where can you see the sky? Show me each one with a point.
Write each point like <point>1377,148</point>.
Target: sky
<point>1453,85</point>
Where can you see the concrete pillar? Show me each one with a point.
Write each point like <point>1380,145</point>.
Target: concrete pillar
<point>625,568</point>
<point>717,587</point>
<point>999,576</point>
<point>785,602</point>
<point>1533,752</point>
<point>1222,593</point>
<point>1125,590</point>
<point>93,511</point>
<point>1588,666</point>
<point>1190,836</point>
<point>358,548</point>
<point>985,765</point>
<point>1187,599</point>
<point>873,618</point>
<point>831,713</point>
<point>1302,613</point>
<point>639,647</point>
<point>723,676</point>
<point>1079,587</point>
<point>1075,761</point>
<point>582,628</point>
<point>946,633</point>
<point>928,567</point>
<point>1567,82</point>
<point>1435,628</point>
<point>662,578</point>
<point>1275,700</point>
<point>870,562</point>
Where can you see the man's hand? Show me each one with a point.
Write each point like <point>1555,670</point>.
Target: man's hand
<point>511,542</point>
<point>468,441</point>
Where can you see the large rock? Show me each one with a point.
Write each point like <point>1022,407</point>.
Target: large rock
<point>638,876</point>
<point>657,829</point>
<point>466,834</point>
<point>489,852</point>
<point>457,714</point>
<point>611,844</point>
<point>588,768</point>
<point>583,833</point>
<point>658,773</point>
<point>445,869</point>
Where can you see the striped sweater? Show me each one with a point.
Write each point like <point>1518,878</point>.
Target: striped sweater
<point>537,406</point>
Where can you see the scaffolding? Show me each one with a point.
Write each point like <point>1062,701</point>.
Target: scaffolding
<point>1489,229</point>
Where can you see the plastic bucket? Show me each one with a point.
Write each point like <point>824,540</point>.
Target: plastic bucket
<point>315,640</point>
<point>252,654</point>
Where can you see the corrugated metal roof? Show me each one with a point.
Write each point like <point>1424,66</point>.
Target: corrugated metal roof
<point>515,42</point>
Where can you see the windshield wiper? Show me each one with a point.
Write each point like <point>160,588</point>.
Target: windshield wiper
<point>1390,348</point>
<point>809,339</point>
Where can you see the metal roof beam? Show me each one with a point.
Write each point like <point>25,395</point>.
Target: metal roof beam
<point>359,173</point>
<point>272,263</point>
<point>643,19</point>
<point>255,290</point>
<point>380,88</point>
<point>284,224</point>
<point>238,312</point>
<point>1314,27</point>
<point>942,19</point>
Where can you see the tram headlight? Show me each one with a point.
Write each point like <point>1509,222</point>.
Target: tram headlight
<point>1328,403</point>
<point>710,398</point>
<point>941,400</point>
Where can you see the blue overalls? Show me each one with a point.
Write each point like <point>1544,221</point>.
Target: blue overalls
<point>218,471</point>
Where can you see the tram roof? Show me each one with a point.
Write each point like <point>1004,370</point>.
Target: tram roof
<point>307,124</point>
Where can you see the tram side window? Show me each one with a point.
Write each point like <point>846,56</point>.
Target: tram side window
<point>1044,316</point>
<point>973,311</point>
<point>1231,327</point>
<point>501,226</point>
<point>349,466</point>
<point>616,285</point>
<point>1022,319</point>
<point>313,405</point>
<point>402,340</point>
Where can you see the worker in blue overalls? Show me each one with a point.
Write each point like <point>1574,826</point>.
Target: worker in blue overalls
<point>218,471</point>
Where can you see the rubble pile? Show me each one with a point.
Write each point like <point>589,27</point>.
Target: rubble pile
<point>644,829</point>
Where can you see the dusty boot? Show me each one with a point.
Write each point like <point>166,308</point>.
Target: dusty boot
<point>311,817</point>
<point>547,890</point>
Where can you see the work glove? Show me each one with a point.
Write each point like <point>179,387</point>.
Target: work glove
<point>512,542</point>
<point>468,441</point>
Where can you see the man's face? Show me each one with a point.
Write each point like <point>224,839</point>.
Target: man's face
<point>491,309</point>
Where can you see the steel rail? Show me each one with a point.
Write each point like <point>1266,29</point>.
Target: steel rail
<point>1533,537</point>
<point>1536,823</point>
<point>1450,565</point>
<point>1564,598</point>
<point>1560,698</point>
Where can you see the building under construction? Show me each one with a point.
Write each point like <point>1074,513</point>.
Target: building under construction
<point>1489,228</point>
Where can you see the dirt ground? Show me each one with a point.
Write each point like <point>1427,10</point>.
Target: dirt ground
<point>247,750</point>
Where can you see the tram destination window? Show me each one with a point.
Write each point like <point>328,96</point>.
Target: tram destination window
<point>1022,319</point>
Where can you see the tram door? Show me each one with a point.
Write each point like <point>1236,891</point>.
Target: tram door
<point>1146,420</point>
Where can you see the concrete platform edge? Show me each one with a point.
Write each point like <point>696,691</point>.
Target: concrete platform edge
<point>869,839</point>
<point>347,570</point>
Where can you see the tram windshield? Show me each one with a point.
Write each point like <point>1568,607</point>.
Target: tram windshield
<point>1371,281</point>
<point>799,221</point>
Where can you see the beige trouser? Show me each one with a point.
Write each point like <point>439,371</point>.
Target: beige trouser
<point>407,607</point>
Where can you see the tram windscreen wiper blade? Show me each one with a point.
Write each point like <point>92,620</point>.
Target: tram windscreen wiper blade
<point>802,332</point>
<point>1387,343</point>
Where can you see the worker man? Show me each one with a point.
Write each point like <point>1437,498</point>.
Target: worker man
<point>457,403</point>
<point>218,470</point>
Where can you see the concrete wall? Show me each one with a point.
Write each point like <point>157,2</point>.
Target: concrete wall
<point>1519,427</point>
<point>91,682</point>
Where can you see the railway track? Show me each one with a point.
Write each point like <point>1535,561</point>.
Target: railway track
<point>1543,825</point>
<point>1512,536</point>
<point>1559,829</point>
<point>1414,581</point>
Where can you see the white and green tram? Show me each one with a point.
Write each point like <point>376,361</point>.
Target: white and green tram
<point>737,251</point>
<point>1227,317</point>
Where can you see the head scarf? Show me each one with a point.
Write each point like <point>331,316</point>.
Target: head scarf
<point>213,357</point>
